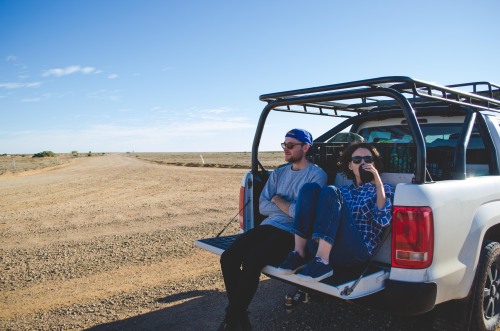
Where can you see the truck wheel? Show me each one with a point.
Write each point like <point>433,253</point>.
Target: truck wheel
<point>486,304</point>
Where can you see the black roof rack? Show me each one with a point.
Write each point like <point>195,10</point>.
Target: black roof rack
<point>381,95</point>
<point>477,95</point>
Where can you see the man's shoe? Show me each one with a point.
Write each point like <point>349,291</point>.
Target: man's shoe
<point>230,325</point>
<point>315,271</point>
<point>293,263</point>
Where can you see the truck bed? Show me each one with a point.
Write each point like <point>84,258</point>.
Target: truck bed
<point>372,281</point>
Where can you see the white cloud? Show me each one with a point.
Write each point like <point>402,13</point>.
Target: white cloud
<point>87,70</point>
<point>219,110</point>
<point>105,94</point>
<point>41,97</point>
<point>31,100</point>
<point>162,110</point>
<point>11,86</point>
<point>113,76</point>
<point>174,136</point>
<point>58,72</point>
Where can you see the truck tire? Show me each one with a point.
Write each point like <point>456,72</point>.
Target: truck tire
<point>486,295</point>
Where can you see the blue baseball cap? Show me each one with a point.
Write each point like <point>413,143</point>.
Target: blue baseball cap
<point>301,135</point>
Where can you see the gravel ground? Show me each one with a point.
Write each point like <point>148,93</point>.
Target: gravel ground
<point>106,243</point>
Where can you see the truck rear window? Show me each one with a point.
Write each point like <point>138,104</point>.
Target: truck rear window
<point>441,141</point>
<point>435,135</point>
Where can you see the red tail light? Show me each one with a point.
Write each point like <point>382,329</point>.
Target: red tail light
<point>241,216</point>
<point>412,237</point>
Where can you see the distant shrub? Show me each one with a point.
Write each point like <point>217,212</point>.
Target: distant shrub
<point>74,153</point>
<point>45,154</point>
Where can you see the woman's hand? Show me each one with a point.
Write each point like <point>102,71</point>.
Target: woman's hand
<point>370,167</point>
<point>381,198</point>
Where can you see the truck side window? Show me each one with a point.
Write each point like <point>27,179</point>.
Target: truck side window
<point>477,159</point>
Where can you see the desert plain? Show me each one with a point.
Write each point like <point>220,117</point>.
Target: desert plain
<point>106,242</point>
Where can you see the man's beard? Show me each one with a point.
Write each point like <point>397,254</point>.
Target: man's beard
<point>293,159</point>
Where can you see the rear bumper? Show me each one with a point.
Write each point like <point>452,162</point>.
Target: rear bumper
<point>403,298</point>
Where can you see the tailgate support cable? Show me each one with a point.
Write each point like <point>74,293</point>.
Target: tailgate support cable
<point>348,290</point>
<point>232,219</point>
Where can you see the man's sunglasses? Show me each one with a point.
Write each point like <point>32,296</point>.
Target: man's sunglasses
<point>290,145</point>
<point>357,159</point>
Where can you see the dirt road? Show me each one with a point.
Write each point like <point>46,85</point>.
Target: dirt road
<point>106,243</point>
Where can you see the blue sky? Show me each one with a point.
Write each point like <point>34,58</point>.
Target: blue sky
<point>185,76</point>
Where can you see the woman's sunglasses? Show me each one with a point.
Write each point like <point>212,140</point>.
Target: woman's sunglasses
<point>357,159</point>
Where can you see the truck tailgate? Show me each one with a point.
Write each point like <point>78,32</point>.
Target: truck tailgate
<point>372,281</point>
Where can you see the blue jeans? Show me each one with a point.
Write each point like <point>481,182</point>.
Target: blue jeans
<point>320,214</point>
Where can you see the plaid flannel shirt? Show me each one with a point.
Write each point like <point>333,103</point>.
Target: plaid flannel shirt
<point>362,203</point>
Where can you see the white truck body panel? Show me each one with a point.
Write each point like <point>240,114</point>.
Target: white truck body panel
<point>458,208</point>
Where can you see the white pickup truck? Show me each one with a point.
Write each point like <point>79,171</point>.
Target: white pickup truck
<point>441,151</point>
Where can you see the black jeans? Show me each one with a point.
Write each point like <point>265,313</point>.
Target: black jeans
<point>242,262</point>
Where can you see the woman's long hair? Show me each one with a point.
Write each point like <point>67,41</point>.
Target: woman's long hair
<point>347,155</point>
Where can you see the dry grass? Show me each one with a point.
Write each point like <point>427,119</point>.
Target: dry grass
<point>17,163</point>
<point>210,159</point>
